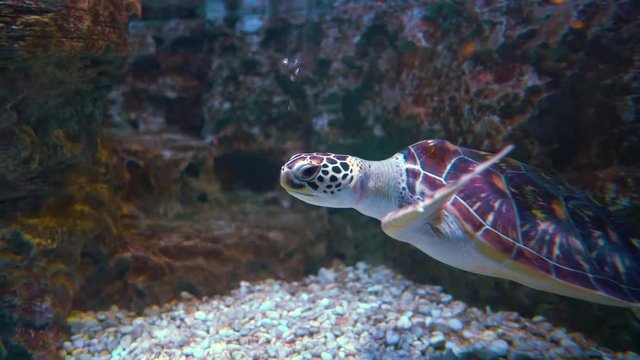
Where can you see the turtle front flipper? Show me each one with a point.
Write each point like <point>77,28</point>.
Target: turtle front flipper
<point>429,210</point>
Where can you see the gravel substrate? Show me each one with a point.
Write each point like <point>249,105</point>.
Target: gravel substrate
<point>359,312</point>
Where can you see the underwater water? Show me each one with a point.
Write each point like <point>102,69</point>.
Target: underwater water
<point>144,147</point>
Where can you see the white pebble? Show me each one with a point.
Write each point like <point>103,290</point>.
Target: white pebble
<point>267,305</point>
<point>273,315</point>
<point>200,315</point>
<point>455,324</point>
<point>424,309</point>
<point>571,346</point>
<point>488,335</point>
<point>558,335</point>
<point>227,332</point>
<point>445,298</point>
<point>326,275</point>
<point>67,346</point>
<point>437,339</point>
<point>326,356</point>
<point>428,321</point>
<point>538,319</point>
<point>342,340</point>
<point>283,328</point>
<point>161,333</point>
<point>325,303</point>
<point>198,353</point>
<point>497,348</point>
<point>404,323</point>
<point>450,345</point>
<point>391,337</point>
<point>468,334</point>
<point>125,341</point>
<point>218,348</point>
<point>361,266</point>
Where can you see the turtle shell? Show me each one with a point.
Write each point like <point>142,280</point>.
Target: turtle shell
<point>536,219</point>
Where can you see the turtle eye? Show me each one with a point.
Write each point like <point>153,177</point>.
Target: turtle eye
<point>308,172</point>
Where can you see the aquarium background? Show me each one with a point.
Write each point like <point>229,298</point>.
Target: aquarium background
<point>141,141</point>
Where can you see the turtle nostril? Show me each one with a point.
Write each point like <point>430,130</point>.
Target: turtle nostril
<point>308,172</point>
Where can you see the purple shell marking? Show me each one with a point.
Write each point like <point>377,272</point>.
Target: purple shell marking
<point>532,217</point>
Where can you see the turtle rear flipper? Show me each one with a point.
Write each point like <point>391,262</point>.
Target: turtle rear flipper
<point>429,210</point>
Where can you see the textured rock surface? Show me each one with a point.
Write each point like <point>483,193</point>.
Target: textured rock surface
<point>353,75</point>
<point>36,28</point>
<point>56,62</point>
<point>206,253</point>
<point>179,230</point>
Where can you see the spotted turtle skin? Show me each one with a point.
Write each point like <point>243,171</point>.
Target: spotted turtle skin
<point>531,217</point>
<point>334,171</point>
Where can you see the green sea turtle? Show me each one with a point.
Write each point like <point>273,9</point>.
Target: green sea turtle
<point>483,213</point>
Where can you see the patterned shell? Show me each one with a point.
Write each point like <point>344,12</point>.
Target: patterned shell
<point>536,219</point>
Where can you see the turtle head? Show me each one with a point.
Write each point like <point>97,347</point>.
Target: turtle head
<point>322,179</point>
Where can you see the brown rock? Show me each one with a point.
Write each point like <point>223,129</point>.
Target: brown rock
<point>72,27</point>
<point>180,232</point>
<point>56,63</point>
